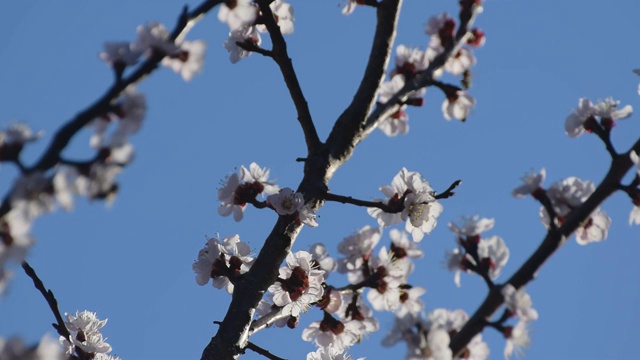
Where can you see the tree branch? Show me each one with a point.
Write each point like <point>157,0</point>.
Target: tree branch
<point>281,57</point>
<point>60,326</point>
<point>320,166</point>
<point>425,77</point>
<point>554,239</point>
<point>253,347</point>
<point>63,136</point>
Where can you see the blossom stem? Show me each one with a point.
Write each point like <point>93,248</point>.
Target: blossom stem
<point>253,47</point>
<point>349,200</point>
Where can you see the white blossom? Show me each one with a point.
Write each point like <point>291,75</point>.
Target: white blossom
<point>301,284</point>
<point>244,34</point>
<point>532,181</point>
<point>458,106</point>
<point>471,226</point>
<point>237,13</point>
<point>286,202</point>
<point>519,303</point>
<point>189,60</point>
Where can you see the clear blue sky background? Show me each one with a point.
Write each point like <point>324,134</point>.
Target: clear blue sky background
<point>132,262</point>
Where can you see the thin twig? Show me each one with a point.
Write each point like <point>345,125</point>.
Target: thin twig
<point>349,200</point>
<point>281,57</point>
<point>255,348</point>
<point>60,326</point>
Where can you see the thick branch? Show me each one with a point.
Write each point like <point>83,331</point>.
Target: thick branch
<point>348,129</point>
<point>554,239</point>
<point>281,57</point>
<point>232,336</point>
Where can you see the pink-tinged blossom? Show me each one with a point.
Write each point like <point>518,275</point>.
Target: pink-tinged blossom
<point>495,251</point>
<point>404,183</point>
<point>462,61</point>
<point>301,284</point>
<point>129,113</point>
<point>448,320</point>
<point>32,195</point>
<point>355,309</point>
<point>154,37</point>
<point>332,332</point>
<point>85,333</point>
<point>595,229</point>
<point>388,276</point>
<point>243,187</point>
<point>574,124</point>
<point>397,123</point>
<point>237,13</point>
<point>517,339</point>
<point>286,201</point>
<point>421,211</point>
<point>245,34</point>
<point>402,246</point>
<point>189,60</point>
<point>458,106</point>
<point>283,14</point>
<point>119,54</point>
<point>436,23</point>
<point>608,109</point>
<point>307,216</point>
<point>471,226</point>
<point>410,60</point>
<point>357,249</point>
<point>15,349</point>
<point>454,261</point>
<point>13,138</point>
<point>567,194</point>
<point>230,202</point>
<point>258,175</point>
<point>329,353</point>
<point>220,259</point>
<point>519,303</point>
<point>18,133</point>
<point>410,300</point>
<point>14,245</point>
<point>532,182</point>
<point>320,256</point>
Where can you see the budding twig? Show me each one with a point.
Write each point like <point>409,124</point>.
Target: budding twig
<point>60,326</point>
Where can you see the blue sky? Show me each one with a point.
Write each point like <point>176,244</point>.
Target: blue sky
<point>132,262</point>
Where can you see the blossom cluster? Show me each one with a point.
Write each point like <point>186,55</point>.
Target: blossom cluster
<point>223,262</point>
<point>412,200</point>
<point>86,338</point>
<point>15,349</point>
<point>565,196</point>
<point>245,22</point>
<point>518,304</point>
<point>411,62</point>
<point>37,192</point>
<point>242,188</point>
<point>154,40</point>
<point>475,254</point>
